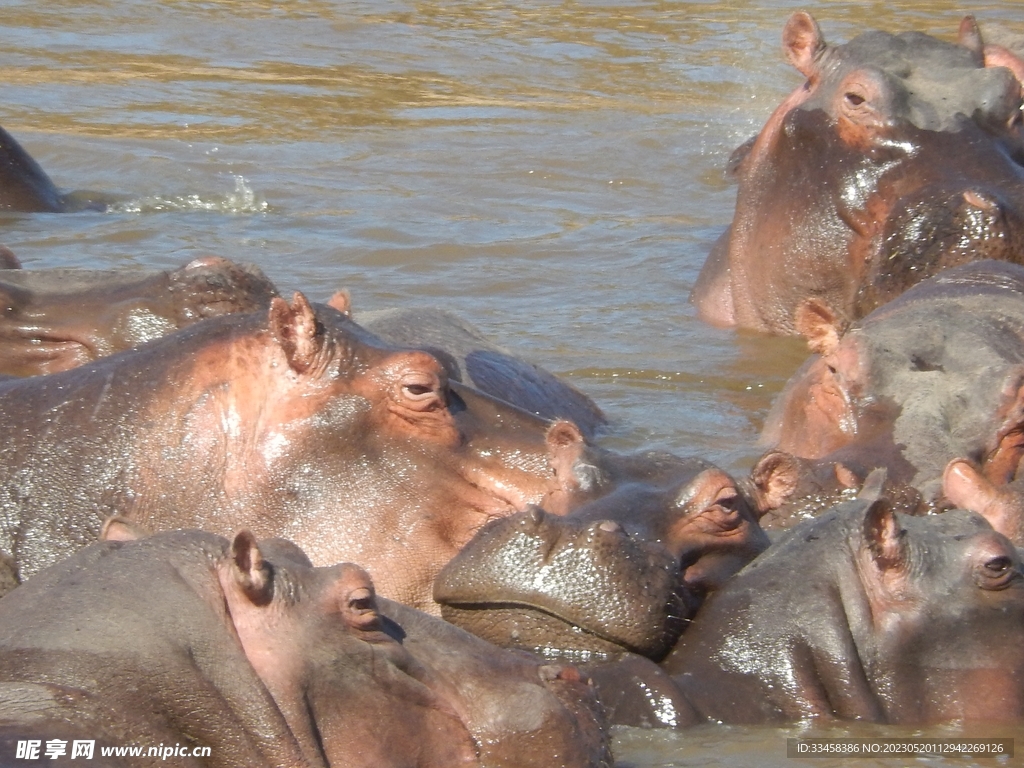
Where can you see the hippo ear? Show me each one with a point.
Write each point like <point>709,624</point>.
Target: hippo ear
<point>803,42</point>
<point>775,478</point>
<point>884,537</point>
<point>297,331</point>
<point>250,572</point>
<point>565,447</point>
<point>342,302</point>
<point>117,528</point>
<point>969,37</point>
<point>818,323</point>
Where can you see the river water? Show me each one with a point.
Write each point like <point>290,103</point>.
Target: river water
<point>553,172</point>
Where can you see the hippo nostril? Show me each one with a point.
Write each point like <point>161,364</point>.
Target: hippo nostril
<point>855,99</point>
<point>610,526</point>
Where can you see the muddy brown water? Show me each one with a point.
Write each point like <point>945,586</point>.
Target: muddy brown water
<point>553,172</point>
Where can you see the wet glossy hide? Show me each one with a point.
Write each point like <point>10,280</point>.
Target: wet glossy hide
<point>896,159</point>
<point>935,375</point>
<point>624,571</point>
<point>864,614</point>
<point>56,319</point>
<point>189,638</point>
<point>291,422</point>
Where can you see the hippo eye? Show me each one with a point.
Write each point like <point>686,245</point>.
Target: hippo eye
<point>361,604</point>
<point>422,391</point>
<point>727,503</point>
<point>997,572</point>
<point>361,609</point>
<point>417,390</point>
<point>998,566</point>
<point>854,99</point>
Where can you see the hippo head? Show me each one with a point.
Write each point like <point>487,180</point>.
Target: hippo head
<point>625,571</point>
<point>298,422</point>
<point>331,655</point>
<point>863,613</point>
<point>336,660</point>
<point>943,617</point>
<point>894,160</point>
<point>58,319</point>
<point>934,375</point>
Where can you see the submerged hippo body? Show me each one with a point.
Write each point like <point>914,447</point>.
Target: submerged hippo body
<point>293,422</point>
<point>899,157</point>
<point>472,359</point>
<point>864,614</point>
<point>56,319</point>
<point>25,187</point>
<point>934,375</point>
<point>243,649</point>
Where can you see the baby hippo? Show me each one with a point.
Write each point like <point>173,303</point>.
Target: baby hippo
<point>244,654</point>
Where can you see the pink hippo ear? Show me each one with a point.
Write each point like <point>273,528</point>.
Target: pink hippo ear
<point>249,570</point>
<point>775,478</point>
<point>803,43</point>
<point>117,528</point>
<point>341,301</point>
<point>819,325</point>
<point>884,536</point>
<point>969,37</point>
<point>297,331</point>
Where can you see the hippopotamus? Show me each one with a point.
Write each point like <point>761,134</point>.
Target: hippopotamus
<point>934,375</point>
<point>470,357</point>
<point>291,422</point>
<point>25,187</point>
<point>242,653</point>
<point>864,614</point>
<point>624,571</point>
<point>898,157</point>
<point>56,319</point>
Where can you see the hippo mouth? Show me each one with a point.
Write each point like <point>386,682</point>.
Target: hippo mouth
<point>34,349</point>
<point>548,583</point>
<point>555,637</point>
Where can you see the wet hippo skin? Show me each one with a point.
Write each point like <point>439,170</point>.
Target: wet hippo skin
<point>935,375</point>
<point>900,156</point>
<point>56,319</point>
<point>293,421</point>
<point>191,639</point>
<point>864,614</point>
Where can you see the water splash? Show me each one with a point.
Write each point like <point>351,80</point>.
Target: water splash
<point>243,199</point>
